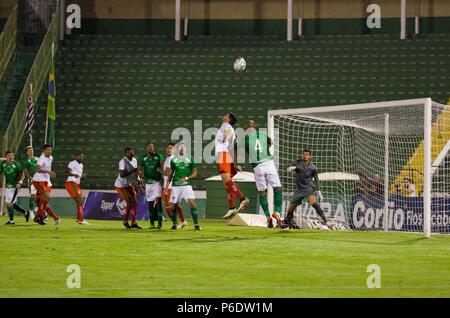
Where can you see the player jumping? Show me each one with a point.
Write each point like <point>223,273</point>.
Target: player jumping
<point>182,170</point>
<point>74,172</point>
<point>126,187</point>
<point>257,144</point>
<point>29,169</point>
<point>305,171</point>
<point>150,167</point>
<point>166,195</point>
<point>41,181</point>
<point>224,144</point>
<point>14,177</point>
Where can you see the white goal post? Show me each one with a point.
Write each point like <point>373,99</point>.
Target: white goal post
<point>382,166</point>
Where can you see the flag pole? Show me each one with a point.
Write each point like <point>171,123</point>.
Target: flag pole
<point>31,134</point>
<point>46,119</point>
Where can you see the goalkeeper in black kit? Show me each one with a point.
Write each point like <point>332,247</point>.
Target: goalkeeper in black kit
<point>306,187</point>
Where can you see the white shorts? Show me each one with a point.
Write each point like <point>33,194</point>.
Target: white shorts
<point>266,174</point>
<point>11,195</point>
<point>153,191</point>
<point>181,192</point>
<point>32,190</point>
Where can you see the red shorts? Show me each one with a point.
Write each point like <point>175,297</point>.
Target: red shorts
<point>127,193</point>
<point>73,189</point>
<point>225,164</point>
<point>42,187</point>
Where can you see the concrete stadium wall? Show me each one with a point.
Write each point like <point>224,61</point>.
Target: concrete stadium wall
<point>255,9</point>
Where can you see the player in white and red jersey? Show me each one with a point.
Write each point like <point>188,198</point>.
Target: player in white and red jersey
<point>126,184</point>
<point>227,167</point>
<point>41,181</point>
<point>74,172</point>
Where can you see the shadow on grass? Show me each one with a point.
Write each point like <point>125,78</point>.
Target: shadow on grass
<point>349,238</point>
<point>211,239</point>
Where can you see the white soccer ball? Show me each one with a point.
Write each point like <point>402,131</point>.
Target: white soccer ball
<point>240,64</point>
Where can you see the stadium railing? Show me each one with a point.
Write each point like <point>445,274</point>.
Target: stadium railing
<point>37,76</point>
<point>8,41</point>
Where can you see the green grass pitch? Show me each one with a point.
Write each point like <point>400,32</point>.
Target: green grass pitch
<point>220,261</point>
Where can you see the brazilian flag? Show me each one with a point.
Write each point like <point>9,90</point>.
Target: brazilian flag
<point>51,106</point>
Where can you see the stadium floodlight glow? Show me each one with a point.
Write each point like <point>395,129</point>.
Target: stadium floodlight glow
<point>384,165</point>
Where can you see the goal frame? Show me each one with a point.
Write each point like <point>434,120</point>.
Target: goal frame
<point>427,141</point>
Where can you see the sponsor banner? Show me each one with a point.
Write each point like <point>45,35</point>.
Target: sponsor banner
<point>109,206</point>
<point>404,214</point>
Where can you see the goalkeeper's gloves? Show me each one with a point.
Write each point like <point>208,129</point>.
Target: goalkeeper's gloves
<point>319,196</point>
<point>291,168</point>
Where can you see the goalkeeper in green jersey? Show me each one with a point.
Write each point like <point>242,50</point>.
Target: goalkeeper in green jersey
<point>14,177</point>
<point>182,170</point>
<point>257,144</point>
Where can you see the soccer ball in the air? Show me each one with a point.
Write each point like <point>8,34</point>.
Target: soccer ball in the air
<point>240,64</point>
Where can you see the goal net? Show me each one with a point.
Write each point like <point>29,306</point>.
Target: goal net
<point>382,166</point>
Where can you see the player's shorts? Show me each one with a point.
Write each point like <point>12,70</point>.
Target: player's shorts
<point>181,192</point>
<point>153,191</point>
<point>126,193</point>
<point>73,189</point>
<point>11,195</point>
<point>266,174</point>
<point>299,196</point>
<point>225,164</point>
<point>32,189</point>
<point>42,187</point>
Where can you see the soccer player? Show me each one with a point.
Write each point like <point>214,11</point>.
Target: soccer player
<point>225,143</point>
<point>182,170</point>
<point>29,169</point>
<point>74,172</point>
<point>305,172</point>
<point>41,181</point>
<point>257,144</point>
<point>150,168</point>
<point>14,177</point>
<point>126,187</point>
<point>166,195</point>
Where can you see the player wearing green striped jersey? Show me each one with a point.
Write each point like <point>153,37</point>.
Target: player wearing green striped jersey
<point>29,168</point>
<point>14,179</point>
<point>182,170</point>
<point>257,144</point>
<point>150,169</point>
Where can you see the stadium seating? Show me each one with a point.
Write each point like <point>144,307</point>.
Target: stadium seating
<point>12,83</point>
<point>116,90</point>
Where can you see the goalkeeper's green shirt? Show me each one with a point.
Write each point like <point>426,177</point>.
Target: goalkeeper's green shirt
<point>182,167</point>
<point>150,164</point>
<point>257,147</point>
<point>12,171</point>
<point>30,164</point>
